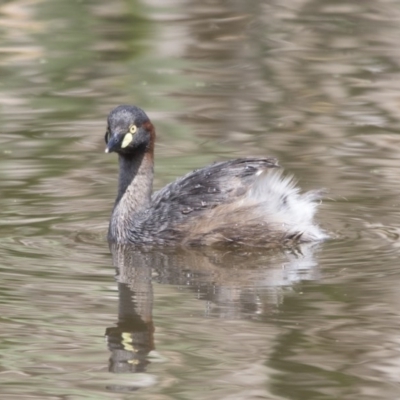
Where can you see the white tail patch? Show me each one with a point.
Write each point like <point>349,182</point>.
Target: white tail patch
<point>284,205</point>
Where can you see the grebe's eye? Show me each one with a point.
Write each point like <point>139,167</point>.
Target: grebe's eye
<point>132,129</point>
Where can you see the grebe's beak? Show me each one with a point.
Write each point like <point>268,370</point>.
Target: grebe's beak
<point>113,144</point>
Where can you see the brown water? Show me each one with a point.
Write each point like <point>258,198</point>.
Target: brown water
<point>314,83</point>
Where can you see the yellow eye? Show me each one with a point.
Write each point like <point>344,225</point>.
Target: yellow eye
<point>132,129</point>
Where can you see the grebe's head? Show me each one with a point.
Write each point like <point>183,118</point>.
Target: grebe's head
<point>128,130</point>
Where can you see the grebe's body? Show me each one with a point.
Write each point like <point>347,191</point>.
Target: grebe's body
<point>244,201</point>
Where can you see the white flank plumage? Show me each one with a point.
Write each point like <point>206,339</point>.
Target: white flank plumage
<point>285,206</point>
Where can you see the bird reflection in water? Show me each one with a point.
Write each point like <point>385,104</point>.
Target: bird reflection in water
<point>233,283</point>
<point>132,339</point>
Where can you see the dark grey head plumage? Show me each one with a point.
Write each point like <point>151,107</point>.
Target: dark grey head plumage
<point>128,130</point>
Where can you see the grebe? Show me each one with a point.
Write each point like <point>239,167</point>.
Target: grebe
<point>245,201</point>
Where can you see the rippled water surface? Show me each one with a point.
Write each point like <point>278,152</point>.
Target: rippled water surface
<point>314,83</point>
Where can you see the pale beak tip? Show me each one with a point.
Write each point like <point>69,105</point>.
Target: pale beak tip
<point>106,150</point>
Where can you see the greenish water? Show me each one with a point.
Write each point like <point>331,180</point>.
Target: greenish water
<point>314,83</point>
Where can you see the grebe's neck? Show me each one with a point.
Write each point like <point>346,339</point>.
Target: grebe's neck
<point>135,179</point>
<point>135,187</point>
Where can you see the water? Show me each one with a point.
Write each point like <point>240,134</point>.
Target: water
<point>314,83</point>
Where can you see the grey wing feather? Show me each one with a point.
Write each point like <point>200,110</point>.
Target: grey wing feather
<point>206,188</point>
